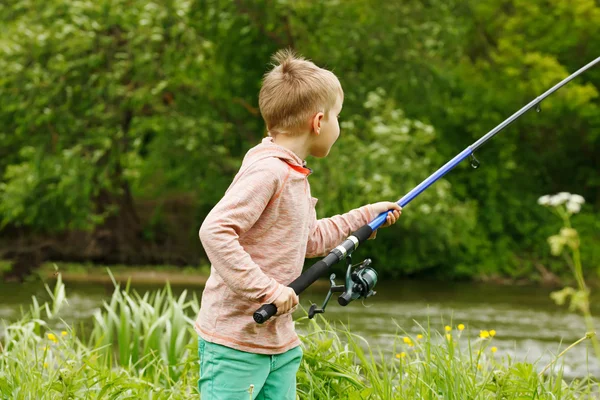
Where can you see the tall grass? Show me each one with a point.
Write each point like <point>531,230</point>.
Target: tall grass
<point>144,347</point>
<point>140,347</point>
<point>147,330</point>
<point>431,365</point>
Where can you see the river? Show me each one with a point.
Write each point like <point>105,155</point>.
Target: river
<point>528,325</point>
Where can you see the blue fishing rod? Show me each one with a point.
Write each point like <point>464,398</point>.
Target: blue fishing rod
<point>360,278</point>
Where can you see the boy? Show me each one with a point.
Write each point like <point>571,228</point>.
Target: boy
<point>258,235</point>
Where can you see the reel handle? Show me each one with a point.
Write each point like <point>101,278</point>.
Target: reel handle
<point>314,310</point>
<point>345,299</point>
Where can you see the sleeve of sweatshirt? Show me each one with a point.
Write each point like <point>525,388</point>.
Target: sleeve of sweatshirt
<point>236,213</point>
<point>326,233</point>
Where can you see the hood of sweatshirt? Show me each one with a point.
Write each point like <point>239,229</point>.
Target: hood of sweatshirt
<point>268,148</point>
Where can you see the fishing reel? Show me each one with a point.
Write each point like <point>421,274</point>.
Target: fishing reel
<point>360,281</point>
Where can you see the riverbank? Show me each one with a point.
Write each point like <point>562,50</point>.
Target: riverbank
<point>149,274</point>
<point>138,275</point>
<point>197,275</point>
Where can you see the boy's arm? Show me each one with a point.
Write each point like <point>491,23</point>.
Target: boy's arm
<point>326,233</point>
<point>235,214</point>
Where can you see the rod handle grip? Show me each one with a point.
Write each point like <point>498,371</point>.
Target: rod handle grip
<point>265,312</point>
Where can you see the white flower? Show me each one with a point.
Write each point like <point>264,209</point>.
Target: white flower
<point>563,197</point>
<point>573,207</point>
<point>544,200</point>
<point>556,243</point>
<point>555,200</point>
<point>575,198</point>
<point>568,233</point>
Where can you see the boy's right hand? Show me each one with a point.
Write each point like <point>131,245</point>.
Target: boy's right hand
<point>286,300</point>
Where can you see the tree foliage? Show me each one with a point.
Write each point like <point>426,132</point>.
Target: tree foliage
<point>117,114</point>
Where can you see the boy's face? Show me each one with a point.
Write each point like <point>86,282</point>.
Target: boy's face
<point>326,130</point>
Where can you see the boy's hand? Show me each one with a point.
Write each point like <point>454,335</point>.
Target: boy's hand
<point>286,301</point>
<point>394,212</point>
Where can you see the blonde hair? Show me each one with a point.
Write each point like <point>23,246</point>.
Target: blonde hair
<point>293,91</point>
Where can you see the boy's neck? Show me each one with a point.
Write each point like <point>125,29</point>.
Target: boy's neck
<point>299,144</point>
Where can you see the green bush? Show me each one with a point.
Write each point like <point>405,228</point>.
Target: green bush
<point>109,106</point>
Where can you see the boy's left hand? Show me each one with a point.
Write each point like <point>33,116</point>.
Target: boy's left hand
<point>394,211</point>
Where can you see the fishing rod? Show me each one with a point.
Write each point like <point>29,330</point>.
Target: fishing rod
<point>361,278</point>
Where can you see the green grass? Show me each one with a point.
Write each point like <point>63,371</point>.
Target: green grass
<point>431,365</point>
<point>139,347</point>
<point>145,347</point>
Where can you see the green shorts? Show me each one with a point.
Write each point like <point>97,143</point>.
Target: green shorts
<point>229,374</point>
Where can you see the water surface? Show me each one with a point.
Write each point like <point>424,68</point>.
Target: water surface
<point>529,325</point>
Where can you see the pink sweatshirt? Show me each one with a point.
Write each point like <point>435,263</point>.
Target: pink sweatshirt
<point>257,238</point>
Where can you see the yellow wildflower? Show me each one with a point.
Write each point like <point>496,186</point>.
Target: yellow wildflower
<point>52,337</point>
<point>401,355</point>
<point>448,336</point>
<point>484,334</point>
<point>63,333</point>
<point>494,349</point>
<point>447,328</point>
<point>407,340</point>
<point>45,365</point>
<point>492,333</point>
<point>461,327</point>
<point>419,336</point>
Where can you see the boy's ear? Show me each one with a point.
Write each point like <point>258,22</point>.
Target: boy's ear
<point>316,122</point>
